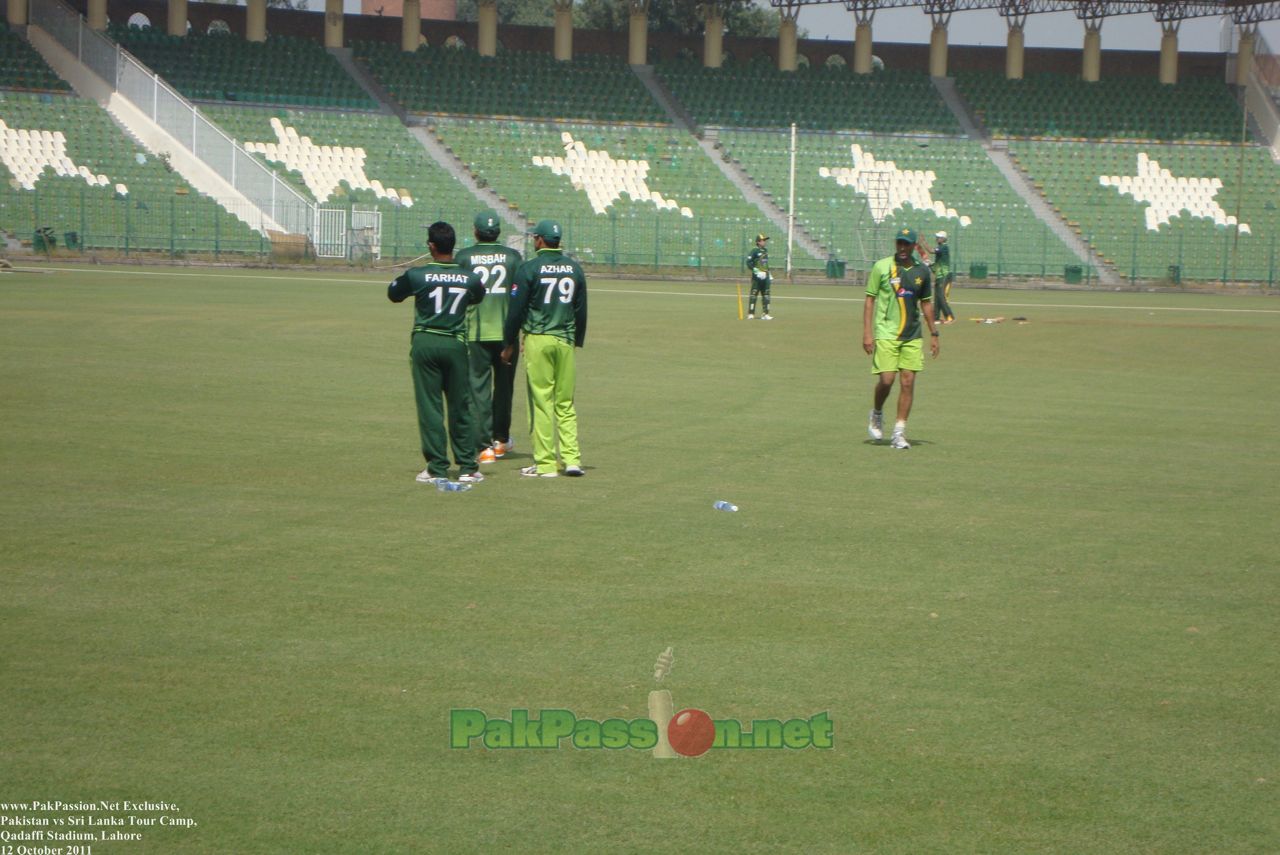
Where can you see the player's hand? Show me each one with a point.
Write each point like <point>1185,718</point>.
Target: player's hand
<point>505,356</point>
<point>761,275</point>
<point>868,344</point>
<point>934,346</point>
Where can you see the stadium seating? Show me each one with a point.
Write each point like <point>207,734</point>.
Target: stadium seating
<point>362,159</point>
<point>22,68</point>
<point>941,184</point>
<point>1080,180</point>
<point>518,84</point>
<point>90,179</point>
<point>625,195</point>
<point>760,96</point>
<point>1116,108</point>
<point>225,67</point>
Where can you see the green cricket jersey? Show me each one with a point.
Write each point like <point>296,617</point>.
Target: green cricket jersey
<point>496,265</point>
<point>441,293</point>
<point>548,297</point>
<point>899,291</point>
<point>758,259</point>
<point>942,256</point>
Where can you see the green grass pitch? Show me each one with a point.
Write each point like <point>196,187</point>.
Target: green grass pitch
<point>1051,626</point>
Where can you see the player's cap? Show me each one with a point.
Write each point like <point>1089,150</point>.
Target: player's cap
<point>941,235</point>
<point>488,222</point>
<point>906,233</point>
<point>761,236</point>
<point>547,230</point>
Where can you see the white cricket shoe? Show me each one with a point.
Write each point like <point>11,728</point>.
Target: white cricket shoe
<point>751,317</point>
<point>899,442</point>
<point>574,471</point>
<point>875,425</point>
<point>470,478</point>
<point>766,317</point>
<point>532,472</point>
<point>425,477</point>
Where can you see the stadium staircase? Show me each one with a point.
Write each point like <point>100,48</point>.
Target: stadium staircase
<point>517,223</point>
<point>371,87</point>
<point>1020,183</point>
<point>151,136</point>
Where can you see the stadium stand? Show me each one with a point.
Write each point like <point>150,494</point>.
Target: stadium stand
<point>1148,208</point>
<point>1115,108</point>
<point>22,68</point>
<point>625,195</point>
<point>443,80</point>
<point>225,67</point>
<point>362,159</point>
<point>75,172</point>
<point>930,184</point>
<point>760,96</point>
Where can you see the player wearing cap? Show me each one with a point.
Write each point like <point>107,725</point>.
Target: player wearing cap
<point>549,305</point>
<point>898,292</point>
<point>441,292</point>
<point>761,278</point>
<point>942,278</point>
<point>492,380</point>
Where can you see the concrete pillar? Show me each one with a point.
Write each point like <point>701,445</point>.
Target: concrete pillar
<point>97,15</point>
<point>638,45</point>
<point>333,23</point>
<point>17,13</point>
<point>938,51</point>
<point>862,49</point>
<point>176,24</point>
<point>1244,58</point>
<point>255,21</point>
<point>564,30</point>
<point>410,25</point>
<point>713,38</point>
<point>1091,69</point>
<point>1169,55</point>
<point>1014,53</point>
<point>487,16</point>
<point>787,43</point>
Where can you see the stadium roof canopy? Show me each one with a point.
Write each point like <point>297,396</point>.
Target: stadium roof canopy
<point>1240,11</point>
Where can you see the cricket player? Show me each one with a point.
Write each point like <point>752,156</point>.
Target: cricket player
<point>899,291</point>
<point>492,380</point>
<point>441,292</point>
<point>761,278</point>
<point>942,279</point>
<point>549,305</point>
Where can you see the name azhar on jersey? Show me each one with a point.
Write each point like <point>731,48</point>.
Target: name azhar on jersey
<point>557,268</point>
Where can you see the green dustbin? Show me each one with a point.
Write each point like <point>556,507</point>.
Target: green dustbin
<point>1175,274</point>
<point>43,240</point>
<point>840,266</point>
<point>978,270</point>
<point>71,240</point>
<point>1073,274</point>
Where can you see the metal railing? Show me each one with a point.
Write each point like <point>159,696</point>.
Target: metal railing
<point>275,199</point>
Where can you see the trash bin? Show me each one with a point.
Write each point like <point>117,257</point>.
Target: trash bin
<point>71,240</point>
<point>1073,274</point>
<point>43,240</point>
<point>831,268</point>
<point>1175,274</point>
<point>978,270</point>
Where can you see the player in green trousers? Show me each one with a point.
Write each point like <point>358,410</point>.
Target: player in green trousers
<point>549,305</point>
<point>441,292</point>
<point>492,381</point>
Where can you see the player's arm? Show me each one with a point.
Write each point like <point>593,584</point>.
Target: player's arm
<point>400,288</point>
<point>475,289</point>
<point>926,308</point>
<point>580,311</point>
<point>517,310</point>
<point>869,308</point>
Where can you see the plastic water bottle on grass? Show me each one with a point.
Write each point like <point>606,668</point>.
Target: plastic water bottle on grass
<point>722,505</point>
<point>444,485</point>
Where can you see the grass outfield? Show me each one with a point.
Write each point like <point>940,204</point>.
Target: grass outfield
<point>1051,626</point>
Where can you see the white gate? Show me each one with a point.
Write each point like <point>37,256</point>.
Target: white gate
<point>331,233</point>
<point>366,234</point>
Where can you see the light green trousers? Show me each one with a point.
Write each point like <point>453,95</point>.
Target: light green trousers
<point>549,368</point>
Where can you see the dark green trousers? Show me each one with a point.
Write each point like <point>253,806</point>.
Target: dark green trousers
<point>492,384</point>
<point>439,365</point>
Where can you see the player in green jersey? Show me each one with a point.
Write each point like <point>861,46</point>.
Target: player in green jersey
<point>441,292</point>
<point>761,278</point>
<point>549,305</point>
<point>899,292</point>
<point>942,279</point>
<point>492,380</point>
